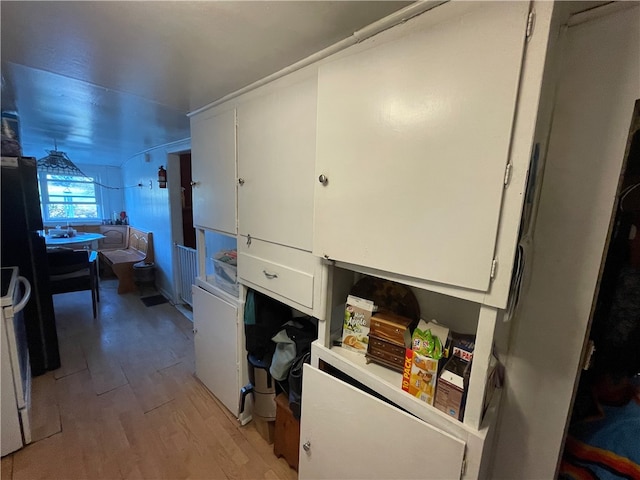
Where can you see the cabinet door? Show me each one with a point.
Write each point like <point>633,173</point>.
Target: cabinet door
<point>413,136</point>
<point>351,434</point>
<point>276,156</point>
<point>213,162</point>
<point>216,346</point>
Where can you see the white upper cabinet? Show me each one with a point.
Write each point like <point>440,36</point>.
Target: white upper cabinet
<point>213,159</point>
<point>276,155</point>
<point>413,142</point>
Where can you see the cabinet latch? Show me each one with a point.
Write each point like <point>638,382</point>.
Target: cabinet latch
<point>588,355</point>
<point>507,174</point>
<point>531,20</point>
<point>494,267</point>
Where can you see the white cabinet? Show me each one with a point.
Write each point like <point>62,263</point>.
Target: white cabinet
<point>347,433</point>
<point>335,415</point>
<point>276,158</point>
<point>276,155</point>
<point>414,139</point>
<point>213,159</point>
<point>425,134</point>
<point>219,345</point>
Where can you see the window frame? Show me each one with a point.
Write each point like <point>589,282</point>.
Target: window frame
<point>45,197</point>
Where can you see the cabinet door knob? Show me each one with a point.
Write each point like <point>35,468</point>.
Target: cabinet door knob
<point>323,179</point>
<point>193,184</point>
<point>241,181</point>
<point>307,446</point>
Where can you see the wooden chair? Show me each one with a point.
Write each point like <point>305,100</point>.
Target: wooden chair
<point>74,271</point>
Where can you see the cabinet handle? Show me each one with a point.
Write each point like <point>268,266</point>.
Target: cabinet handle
<point>248,240</point>
<point>307,446</point>
<point>323,179</point>
<point>270,276</point>
<point>241,181</point>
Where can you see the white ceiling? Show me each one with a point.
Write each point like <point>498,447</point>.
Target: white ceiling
<point>106,80</point>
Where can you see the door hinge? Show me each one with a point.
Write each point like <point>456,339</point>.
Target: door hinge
<point>494,267</point>
<point>507,174</point>
<point>531,20</point>
<point>588,355</point>
<point>463,469</point>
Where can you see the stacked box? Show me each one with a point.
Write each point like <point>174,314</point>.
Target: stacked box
<point>454,379</point>
<point>389,336</point>
<point>420,370</point>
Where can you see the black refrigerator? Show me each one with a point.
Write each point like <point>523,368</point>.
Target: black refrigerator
<point>22,246</point>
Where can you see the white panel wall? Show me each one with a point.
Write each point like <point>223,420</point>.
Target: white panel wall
<point>148,208</point>
<point>596,95</point>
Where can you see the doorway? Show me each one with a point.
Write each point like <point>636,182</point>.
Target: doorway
<point>185,259</point>
<point>188,232</point>
<point>602,434</point>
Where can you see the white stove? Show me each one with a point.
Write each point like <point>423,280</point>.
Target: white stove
<point>15,400</point>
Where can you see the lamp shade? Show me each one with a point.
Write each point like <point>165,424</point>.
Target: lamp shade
<point>57,162</point>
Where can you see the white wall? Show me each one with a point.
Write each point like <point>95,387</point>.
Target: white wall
<point>148,207</point>
<point>598,87</point>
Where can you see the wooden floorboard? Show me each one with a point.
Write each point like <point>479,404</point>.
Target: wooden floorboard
<point>126,404</point>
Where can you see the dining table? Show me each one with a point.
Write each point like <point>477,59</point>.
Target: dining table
<point>82,240</point>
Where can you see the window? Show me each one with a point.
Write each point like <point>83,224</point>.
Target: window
<point>68,198</point>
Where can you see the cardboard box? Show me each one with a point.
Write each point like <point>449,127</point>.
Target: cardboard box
<point>452,387</point>
<point>357,321</point>
<point>463,345</point>
<point>420,376</point>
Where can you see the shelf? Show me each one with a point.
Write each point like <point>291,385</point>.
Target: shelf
<point>388,384</point>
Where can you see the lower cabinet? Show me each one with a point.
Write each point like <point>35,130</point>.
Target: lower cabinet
<point>347,433</point>
<point>219,345</point>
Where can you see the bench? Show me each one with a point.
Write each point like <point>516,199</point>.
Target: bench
<point>115,236</point>
<point>138,248</point>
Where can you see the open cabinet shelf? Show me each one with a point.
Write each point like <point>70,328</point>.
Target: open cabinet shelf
<point>388,384</point>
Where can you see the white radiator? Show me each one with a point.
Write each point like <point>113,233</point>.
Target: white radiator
<point>187,271</point>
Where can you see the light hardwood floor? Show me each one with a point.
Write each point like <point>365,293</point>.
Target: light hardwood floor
<point>126,403</point>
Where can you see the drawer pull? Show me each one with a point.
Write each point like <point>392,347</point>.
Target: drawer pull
<point>270,276</point>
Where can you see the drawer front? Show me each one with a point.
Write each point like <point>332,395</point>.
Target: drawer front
<point>390,333</point>
<point>388,359</point>
<point>391,348</point>
<point>293,284</point>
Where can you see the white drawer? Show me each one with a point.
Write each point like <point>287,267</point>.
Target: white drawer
<point>292,284</point>
<point>292,274</point>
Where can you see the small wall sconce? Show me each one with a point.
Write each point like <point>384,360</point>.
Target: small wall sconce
<point>162,177</point>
